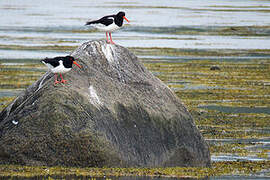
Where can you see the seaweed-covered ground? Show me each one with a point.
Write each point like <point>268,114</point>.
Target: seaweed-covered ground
<point>218,169</point>
<point>229,100</point>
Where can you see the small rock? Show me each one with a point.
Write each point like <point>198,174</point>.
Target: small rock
<point>215,68</point>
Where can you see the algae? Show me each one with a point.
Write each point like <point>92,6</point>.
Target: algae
<point>39,48</point>
<point>218,169</point>
<point>181,53</point>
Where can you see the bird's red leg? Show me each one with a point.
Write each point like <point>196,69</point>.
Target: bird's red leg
<point>111,37</point>
<point>107,37</point>
<point>62,81</point>
<point>55,79</point>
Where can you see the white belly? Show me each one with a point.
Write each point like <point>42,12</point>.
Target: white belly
<point>110,28</point>
<point>58,69</point>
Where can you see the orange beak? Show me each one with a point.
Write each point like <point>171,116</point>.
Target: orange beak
<point>74,62</point>
<point>126,19</point>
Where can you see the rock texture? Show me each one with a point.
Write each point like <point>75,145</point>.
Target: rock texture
<point>113,112</point>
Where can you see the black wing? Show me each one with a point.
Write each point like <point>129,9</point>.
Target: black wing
<point>106,20</point>
<point>52,61</point>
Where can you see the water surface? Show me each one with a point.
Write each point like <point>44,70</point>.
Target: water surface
<point>174,24</point>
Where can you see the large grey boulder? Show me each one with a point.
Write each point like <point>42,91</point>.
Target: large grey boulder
<point>113,112</point>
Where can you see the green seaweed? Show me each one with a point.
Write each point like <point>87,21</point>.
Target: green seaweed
<point>156,51</point>
<point>218,169</point>
<point>40,48</point>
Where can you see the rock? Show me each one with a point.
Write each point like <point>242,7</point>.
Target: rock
<point>112,112</point>
<point>215,68</point>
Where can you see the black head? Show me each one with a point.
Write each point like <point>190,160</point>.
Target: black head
<point>70,58</point>
<point>120,14</point>
<point>119,17</point>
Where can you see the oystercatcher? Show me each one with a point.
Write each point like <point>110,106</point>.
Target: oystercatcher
<point>60,65</point>
<point>109,24</point>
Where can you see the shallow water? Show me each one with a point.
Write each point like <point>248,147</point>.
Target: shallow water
<point>173,24</point>
<point>233,110</point>
<point>31,30</point>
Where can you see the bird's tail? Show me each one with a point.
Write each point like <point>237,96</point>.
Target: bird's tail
<point>44,60</point>
<point>91,22</point>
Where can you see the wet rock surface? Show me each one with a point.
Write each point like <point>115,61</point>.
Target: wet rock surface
<point>112,112</point>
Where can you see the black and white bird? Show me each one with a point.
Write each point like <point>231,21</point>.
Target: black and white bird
<point>109,24</point>
<point>60,65</point>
